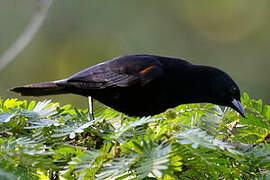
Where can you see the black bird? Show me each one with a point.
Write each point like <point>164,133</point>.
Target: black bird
<point>143,85</point>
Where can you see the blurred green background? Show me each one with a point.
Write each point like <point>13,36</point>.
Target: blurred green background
<point>233,35</point>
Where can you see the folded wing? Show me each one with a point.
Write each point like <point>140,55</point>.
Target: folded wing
<point>118,74</point>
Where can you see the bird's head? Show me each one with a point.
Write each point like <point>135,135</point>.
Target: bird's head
<point>225,91</point>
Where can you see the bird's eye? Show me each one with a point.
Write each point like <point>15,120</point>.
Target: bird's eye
<point>234,90</point>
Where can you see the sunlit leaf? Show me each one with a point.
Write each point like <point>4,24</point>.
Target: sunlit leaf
<point>202,141</point>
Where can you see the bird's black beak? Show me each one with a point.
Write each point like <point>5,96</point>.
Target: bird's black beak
<point>237,105</point>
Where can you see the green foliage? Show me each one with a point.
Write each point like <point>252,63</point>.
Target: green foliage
<point>44,140</point>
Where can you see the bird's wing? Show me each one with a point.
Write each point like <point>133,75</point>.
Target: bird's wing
<point>117,74</point>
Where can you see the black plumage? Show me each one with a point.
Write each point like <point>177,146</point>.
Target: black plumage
<point>143,85</point>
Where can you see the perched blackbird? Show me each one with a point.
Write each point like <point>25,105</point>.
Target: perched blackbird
<point>143,85</point>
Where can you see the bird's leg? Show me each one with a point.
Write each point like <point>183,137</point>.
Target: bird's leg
<point>91,114</point>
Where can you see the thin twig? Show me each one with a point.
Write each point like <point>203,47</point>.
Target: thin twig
<point>233,126</point>
<point>265,139</point>
<point>27,35</point>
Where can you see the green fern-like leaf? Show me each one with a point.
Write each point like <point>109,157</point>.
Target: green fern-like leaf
<point>117,169</point>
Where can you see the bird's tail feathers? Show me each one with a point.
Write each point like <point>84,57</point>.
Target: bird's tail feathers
<point>41,89</point>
